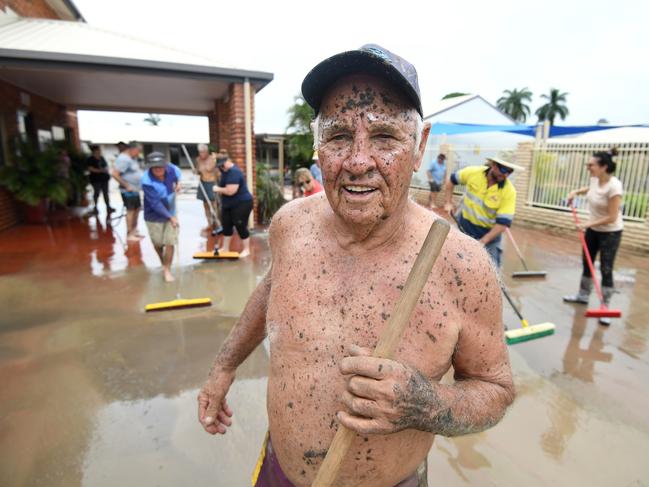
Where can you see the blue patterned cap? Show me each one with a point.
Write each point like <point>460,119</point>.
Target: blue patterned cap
<point>369,59</point>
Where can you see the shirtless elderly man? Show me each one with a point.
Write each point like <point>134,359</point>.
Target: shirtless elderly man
<point>363,233</point>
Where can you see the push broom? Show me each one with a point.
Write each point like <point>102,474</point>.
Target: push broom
<point>526,272</point>
<point>216,253</point>
<point>526,332</point>
<point>603,311</point>
<point>388,341</point>
<point>179,302</point>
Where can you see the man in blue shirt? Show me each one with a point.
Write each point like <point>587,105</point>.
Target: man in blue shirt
<point>160,184</point>
<point>436,175</point>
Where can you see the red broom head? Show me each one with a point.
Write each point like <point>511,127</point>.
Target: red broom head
<point>603,313</point>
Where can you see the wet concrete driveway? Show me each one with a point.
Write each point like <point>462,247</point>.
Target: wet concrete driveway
<point>97,393</point>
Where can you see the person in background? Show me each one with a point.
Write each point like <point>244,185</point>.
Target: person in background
<point>306,182</point>
<point>160,185</point>
<point>603,230</point>
<point>315,168</point>
<point>128,174</point>
<point>236,202</point>
<point>209,176</point>
<point>99,177</point>
<point>488,204</point>
<point>436,176</point>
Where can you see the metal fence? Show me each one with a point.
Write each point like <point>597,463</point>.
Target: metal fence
<point>558,168</point>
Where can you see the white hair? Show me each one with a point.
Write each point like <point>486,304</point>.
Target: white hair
<point>419,129</point>
<point>201,147</point>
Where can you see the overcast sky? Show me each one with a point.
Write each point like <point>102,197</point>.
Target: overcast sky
<point>597,51</point>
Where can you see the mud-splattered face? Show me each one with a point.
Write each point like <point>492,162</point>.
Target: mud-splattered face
<point>366,149</point>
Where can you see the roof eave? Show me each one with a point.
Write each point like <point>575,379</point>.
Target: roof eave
<point>43,59</point>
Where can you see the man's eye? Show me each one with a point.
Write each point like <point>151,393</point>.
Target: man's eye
<point>340,137</point>
<point>384,136</point>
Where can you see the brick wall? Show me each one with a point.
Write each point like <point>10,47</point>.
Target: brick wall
<point>30,8</point>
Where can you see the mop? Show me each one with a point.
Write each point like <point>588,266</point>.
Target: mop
<point>603,311</point>
<point>526,331</point>
<point>178,302</point>
<point>526,272</point>
<point>216,253</point>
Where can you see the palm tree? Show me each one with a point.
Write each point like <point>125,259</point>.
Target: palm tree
<point>514,103</point>
<point>153,119</point>
<point>556,105</point>
<point>300,138</point>
<point>455,94</point>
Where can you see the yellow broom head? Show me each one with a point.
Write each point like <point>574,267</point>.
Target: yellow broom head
<point>529,333</point>
<point>221,255</point>
<point>178,303</point>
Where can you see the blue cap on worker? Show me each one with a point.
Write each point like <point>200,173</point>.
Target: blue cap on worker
<point>369,59</point>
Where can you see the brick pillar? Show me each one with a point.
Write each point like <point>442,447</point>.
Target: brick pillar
<point>229,127</point>
<point>523,179</point>
<point>71,122</point>
<point>214,126</point>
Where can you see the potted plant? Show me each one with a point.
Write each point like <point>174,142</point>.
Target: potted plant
<point>36,178</point>
<point>269,193</point>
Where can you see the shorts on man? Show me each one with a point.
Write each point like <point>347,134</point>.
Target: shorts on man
<point>132,200</point>
<point>162,233</point>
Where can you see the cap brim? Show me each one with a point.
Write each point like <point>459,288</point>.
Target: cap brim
<point>320,78</point>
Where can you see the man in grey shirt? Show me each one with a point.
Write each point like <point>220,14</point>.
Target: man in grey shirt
<point>128,174</point>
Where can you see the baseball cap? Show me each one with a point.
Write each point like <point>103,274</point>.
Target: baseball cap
<point>155,159</point>
<point>368,59</point>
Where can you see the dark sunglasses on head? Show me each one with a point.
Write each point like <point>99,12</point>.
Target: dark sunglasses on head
<point>504,170</point>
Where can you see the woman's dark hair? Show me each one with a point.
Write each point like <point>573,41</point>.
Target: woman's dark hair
<point>606,159</point>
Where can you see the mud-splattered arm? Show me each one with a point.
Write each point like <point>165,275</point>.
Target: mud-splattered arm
<point>249,331</point>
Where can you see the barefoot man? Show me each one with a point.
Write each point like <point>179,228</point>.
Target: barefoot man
<point>364,232</point>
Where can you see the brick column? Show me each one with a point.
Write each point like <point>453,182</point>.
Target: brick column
<point>227,126</point>
<point>524,157</point>
<point>71,122</point>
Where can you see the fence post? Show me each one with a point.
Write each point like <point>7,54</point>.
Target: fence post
<point>524,156</point>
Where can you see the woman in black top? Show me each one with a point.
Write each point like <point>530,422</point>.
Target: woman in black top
<point>236,203</point>
<point>99,177</point>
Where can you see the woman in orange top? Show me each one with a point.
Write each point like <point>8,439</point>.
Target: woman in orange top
<point>307,183</point>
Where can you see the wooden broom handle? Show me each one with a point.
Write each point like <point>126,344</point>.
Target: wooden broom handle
<point>389,339</point>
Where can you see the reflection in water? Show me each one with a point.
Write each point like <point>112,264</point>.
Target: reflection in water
<point>467,456</point>
<point>580,362</point>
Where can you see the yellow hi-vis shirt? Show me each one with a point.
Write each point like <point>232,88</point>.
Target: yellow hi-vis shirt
<point>484,206</point>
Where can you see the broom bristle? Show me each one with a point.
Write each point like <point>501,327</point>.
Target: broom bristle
<point>529,274</point>
<point>529,333</point>
<point>178,303</point>
<point>603,313</point>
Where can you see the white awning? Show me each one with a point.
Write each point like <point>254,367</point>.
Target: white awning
<point>77,65</point>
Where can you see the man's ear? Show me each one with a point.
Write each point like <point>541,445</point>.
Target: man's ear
<point>419,156</point>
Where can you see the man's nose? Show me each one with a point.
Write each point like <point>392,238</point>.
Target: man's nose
<point>360,161</point>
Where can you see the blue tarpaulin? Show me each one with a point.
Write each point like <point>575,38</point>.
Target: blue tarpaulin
<point>530,130</point>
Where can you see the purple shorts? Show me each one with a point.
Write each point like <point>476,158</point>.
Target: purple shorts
<point>268,472</point>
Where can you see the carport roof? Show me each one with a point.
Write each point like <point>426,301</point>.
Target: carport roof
<point>78,65</point>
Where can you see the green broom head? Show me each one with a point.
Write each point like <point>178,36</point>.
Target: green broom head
<point>529,333</point>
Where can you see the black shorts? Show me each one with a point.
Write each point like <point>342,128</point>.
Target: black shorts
<point>434,187</point>
<point>131,200</point>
